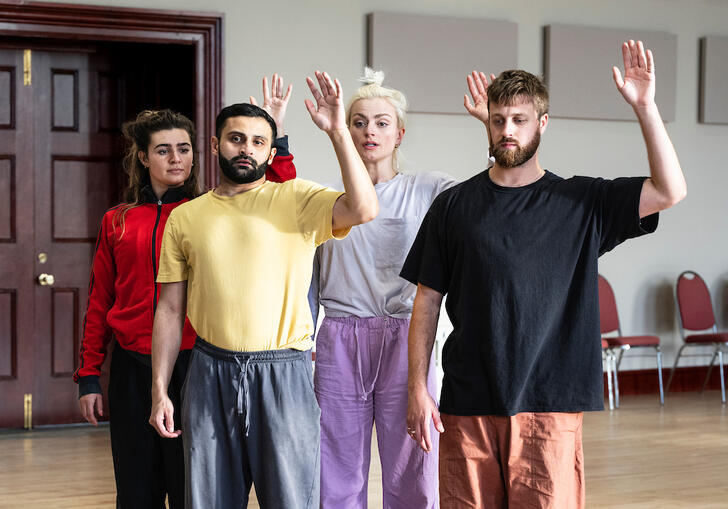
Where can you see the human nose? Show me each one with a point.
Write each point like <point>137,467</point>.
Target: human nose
<point>246,147</point>
<point>175,156</point>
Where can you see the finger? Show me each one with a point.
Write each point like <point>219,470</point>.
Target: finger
<point>641,60</point>
<point>266,92</point>
<point>330,87</point>
<point>424,426</point>
<point>288,92</point>
<point>484,79</point>
<point>253,101</point>
<point>492,78</point>
<point>312,86</point>
<point>275,85</point>
<point>472,88</point>
<point>617,75</point>
<point>339,92</point>
<point>633,54</point>
<point>479,83</point>
<point>467,104</point>
<point>650,61</point>
<point>625,56</point>
<point>100,406</point>
<point>321,82</point>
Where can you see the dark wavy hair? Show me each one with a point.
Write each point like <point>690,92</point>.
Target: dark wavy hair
<point>138,134</point>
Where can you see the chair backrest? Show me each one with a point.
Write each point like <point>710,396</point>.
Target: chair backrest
<point>693,302</point>
<point>608,317</point>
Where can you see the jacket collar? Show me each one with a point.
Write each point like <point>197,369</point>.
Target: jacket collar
<point>172,195</point>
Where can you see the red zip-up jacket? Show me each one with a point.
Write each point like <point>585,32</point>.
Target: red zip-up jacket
<point>123,294</point>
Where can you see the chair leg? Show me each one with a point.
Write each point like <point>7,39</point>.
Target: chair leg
<point>674,367</point>
<point>722,381</point>
<point>619,359</point>
<point>616,381</point>
<point>710,369</point>
<point>659,375</point>
<point>610,393</point>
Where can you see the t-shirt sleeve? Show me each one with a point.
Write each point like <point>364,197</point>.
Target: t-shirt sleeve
<point>315,208</point>
<point>172,260</point>
<point>427,261</point>
<point>618,204</point>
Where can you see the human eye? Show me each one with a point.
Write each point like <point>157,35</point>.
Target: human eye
<point>236,138</point>
<point>184,150</point>
<point>359,123</point>
<point>162,151</point>
<point>382,123</point>
<point>258,142</point>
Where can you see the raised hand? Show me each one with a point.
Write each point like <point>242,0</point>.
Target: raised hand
<point>328,112</point>
<point>275,101</point>
<point>638,85</point>
<point>478,86</point>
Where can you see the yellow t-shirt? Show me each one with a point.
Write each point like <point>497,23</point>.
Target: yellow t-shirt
<point>247,260</point>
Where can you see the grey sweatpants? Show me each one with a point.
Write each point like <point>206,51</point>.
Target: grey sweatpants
<point>250,418</point>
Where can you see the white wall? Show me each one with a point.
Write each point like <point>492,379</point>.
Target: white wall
<point>294,38</point>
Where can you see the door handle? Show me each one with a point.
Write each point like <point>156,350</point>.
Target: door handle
<point>46,279</point>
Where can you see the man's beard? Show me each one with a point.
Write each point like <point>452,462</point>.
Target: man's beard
<point>241,175</point>
<point>508,158</point>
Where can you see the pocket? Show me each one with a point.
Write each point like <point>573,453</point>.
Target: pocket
<point>395,237</point>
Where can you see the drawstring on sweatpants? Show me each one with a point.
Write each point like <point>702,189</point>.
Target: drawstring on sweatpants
<point>364,391</point>
<point>244,396</point>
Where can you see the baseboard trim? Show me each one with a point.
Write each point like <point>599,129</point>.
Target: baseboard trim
<point>687,379</point>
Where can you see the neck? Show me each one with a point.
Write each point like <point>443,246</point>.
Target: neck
<point>158,188</point>
<point>518,176</point>
<point>381,171</point>
<point>229,188</point>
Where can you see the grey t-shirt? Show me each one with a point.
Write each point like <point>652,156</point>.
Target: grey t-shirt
<point>359,275</point>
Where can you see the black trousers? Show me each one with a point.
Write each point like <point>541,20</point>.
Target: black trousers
<point>146,466</point>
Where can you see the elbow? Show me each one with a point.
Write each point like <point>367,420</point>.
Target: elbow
<point>676,196</point>
<point>369,213</point>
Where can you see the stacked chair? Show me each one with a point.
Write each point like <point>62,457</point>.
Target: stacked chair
<point>618,344</point>
<point>697,324</point>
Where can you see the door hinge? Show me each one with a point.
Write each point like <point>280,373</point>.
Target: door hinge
<point>27,67</point>
<point>28,411</point>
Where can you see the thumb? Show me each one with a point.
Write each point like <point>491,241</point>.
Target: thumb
<point>437,421</point>
<point>100,407</point>
<point>617,75</point>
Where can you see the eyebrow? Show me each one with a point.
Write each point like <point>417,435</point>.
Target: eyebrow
<point>378,115</point>
<point>169,144</point>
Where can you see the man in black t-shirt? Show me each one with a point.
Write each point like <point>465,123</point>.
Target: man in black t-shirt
<point>516,248</point>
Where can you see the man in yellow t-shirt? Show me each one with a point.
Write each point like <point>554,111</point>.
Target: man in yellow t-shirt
<point>238,261</point>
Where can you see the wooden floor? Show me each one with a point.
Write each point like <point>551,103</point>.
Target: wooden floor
<point>640,456</point>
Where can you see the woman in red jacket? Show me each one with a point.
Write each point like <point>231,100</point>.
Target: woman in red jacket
<point>163,173</point>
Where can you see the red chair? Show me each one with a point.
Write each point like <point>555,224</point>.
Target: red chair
<point>609,321</point>
<point>695,313</point>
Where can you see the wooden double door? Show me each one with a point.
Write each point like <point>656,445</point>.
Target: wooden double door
<point>60,170</point>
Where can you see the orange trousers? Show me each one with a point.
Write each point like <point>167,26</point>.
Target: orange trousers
<point>523,461</point>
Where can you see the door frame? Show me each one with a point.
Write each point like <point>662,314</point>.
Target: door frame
<point>91,23</point>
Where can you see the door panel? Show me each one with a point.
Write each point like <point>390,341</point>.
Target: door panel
<point>16,240</point>
<point>75,182</point>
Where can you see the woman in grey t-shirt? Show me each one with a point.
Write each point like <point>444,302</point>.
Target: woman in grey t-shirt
<point>361,348</point>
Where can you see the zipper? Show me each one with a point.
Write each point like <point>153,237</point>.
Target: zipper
<point>154,256</point>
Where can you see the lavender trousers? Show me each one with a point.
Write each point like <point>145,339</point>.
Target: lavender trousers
<point>360,379</point>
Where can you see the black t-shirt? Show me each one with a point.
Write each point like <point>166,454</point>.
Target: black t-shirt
<point>519,267</point>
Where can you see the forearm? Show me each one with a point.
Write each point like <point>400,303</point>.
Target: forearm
<point>359,202</point>
<point>423,327</point>
<point>665,172</point>
<point>166,342</point>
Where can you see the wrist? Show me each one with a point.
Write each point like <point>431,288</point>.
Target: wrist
<point>646,109</point>
<point>338,133</point>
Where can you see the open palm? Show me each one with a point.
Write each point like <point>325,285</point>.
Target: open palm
<point>328,113</point>
<point>638,85</point>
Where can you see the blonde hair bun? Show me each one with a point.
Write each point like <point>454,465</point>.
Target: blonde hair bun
<point>372,77</point>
